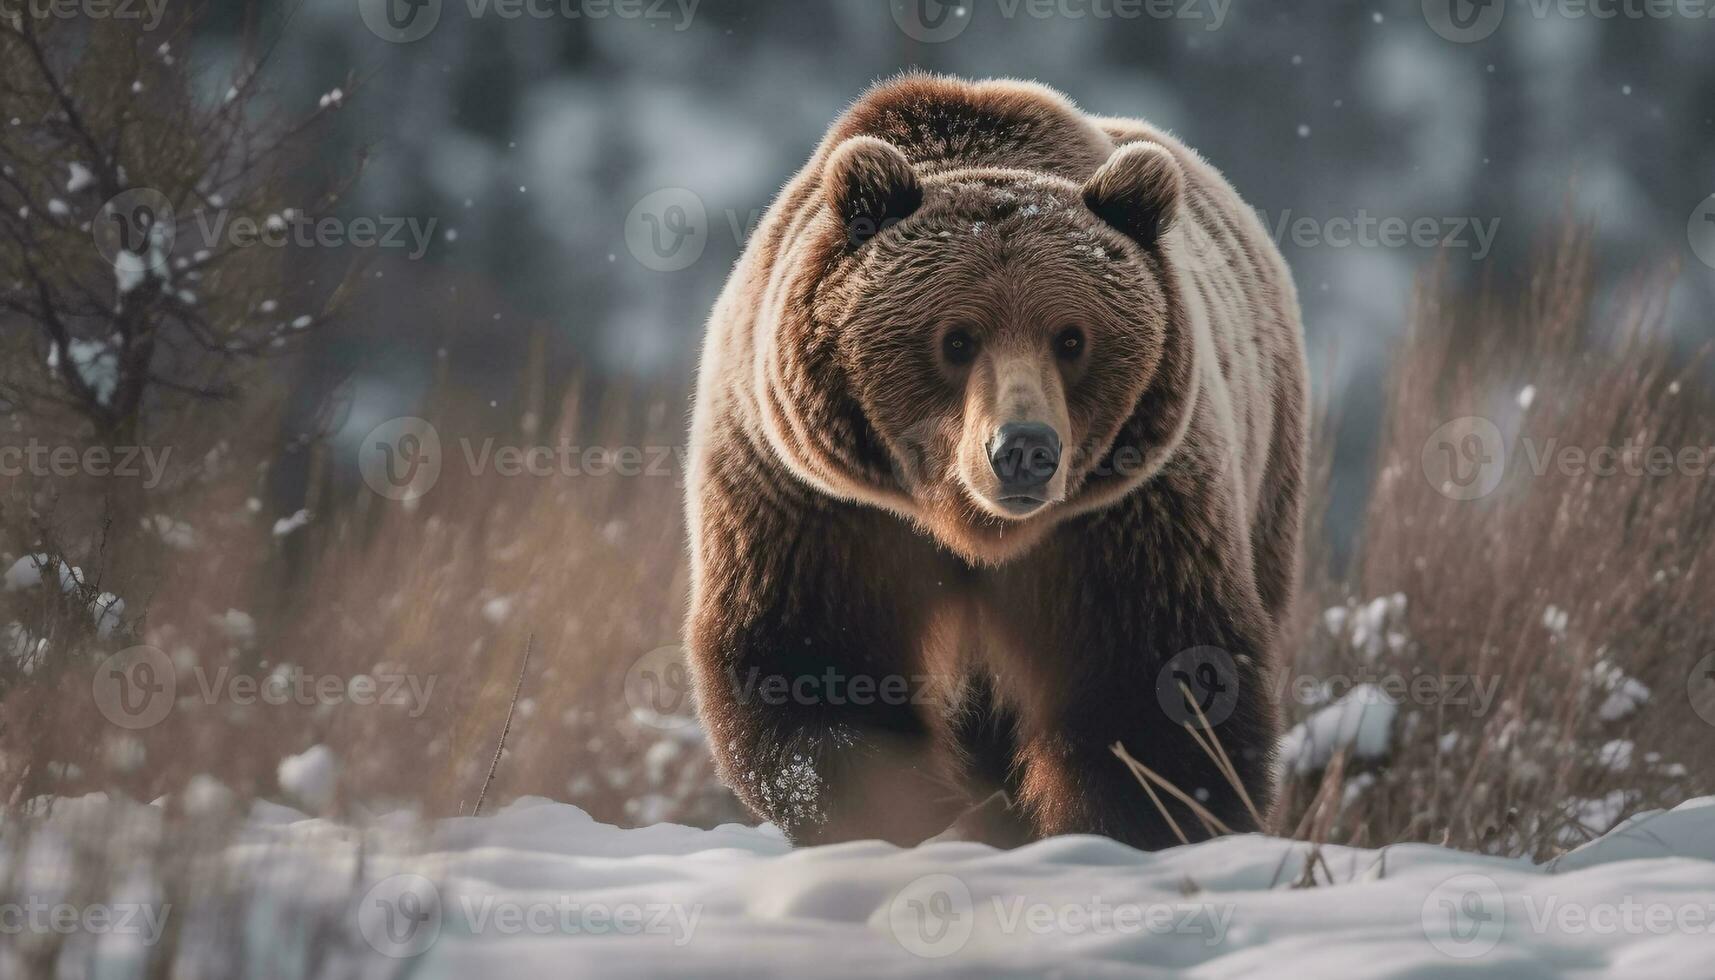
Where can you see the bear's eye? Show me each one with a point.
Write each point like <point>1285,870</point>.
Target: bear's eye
<point>958,347</point>
<point>1069,343</point>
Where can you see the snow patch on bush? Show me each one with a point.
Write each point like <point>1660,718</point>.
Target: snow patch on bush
<point>1361,724</point>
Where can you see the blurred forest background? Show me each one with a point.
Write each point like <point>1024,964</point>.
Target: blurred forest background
<point>533,140</point>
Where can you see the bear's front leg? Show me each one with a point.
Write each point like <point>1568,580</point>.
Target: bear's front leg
<point>1160,607</point>
<point>805,631</point>
<point>828,777</point>
<point>1074,783</point>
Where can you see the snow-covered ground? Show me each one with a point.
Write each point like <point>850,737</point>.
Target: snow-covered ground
<point>540,889</point>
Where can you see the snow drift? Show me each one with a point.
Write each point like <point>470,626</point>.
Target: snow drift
<point>540,889</point>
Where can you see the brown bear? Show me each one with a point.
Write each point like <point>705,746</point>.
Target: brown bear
<point>996,462</point>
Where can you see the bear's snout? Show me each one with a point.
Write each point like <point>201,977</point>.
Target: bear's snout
<point>1025,456</point>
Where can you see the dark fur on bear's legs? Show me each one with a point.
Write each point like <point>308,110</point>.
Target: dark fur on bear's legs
<point>817,714</point>
<point>838,724</point>
<point>1091,674</point>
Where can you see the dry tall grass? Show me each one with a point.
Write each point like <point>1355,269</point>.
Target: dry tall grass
<point>1565,591</point>
<point>433,600</point>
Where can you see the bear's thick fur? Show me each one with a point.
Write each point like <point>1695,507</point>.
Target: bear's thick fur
<point>884,630</point>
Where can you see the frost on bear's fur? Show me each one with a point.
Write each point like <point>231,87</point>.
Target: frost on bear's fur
<point>999,440</point>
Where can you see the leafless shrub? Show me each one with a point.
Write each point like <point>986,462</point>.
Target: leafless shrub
<point>138,198</point>
<point>1576,589</point>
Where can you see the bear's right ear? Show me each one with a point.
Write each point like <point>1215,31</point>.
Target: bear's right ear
<point>1137,191</point>
<point>870,186</point>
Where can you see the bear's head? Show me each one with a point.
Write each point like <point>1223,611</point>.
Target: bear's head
<point>1014,345</point>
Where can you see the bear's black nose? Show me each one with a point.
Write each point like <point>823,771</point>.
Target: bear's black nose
<point>1025,456</point>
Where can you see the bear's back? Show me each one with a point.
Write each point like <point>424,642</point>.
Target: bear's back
<point>946,123</point>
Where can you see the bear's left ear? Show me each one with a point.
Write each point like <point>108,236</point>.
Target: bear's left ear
<point>870,185</point>
<point>1137,191</point>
